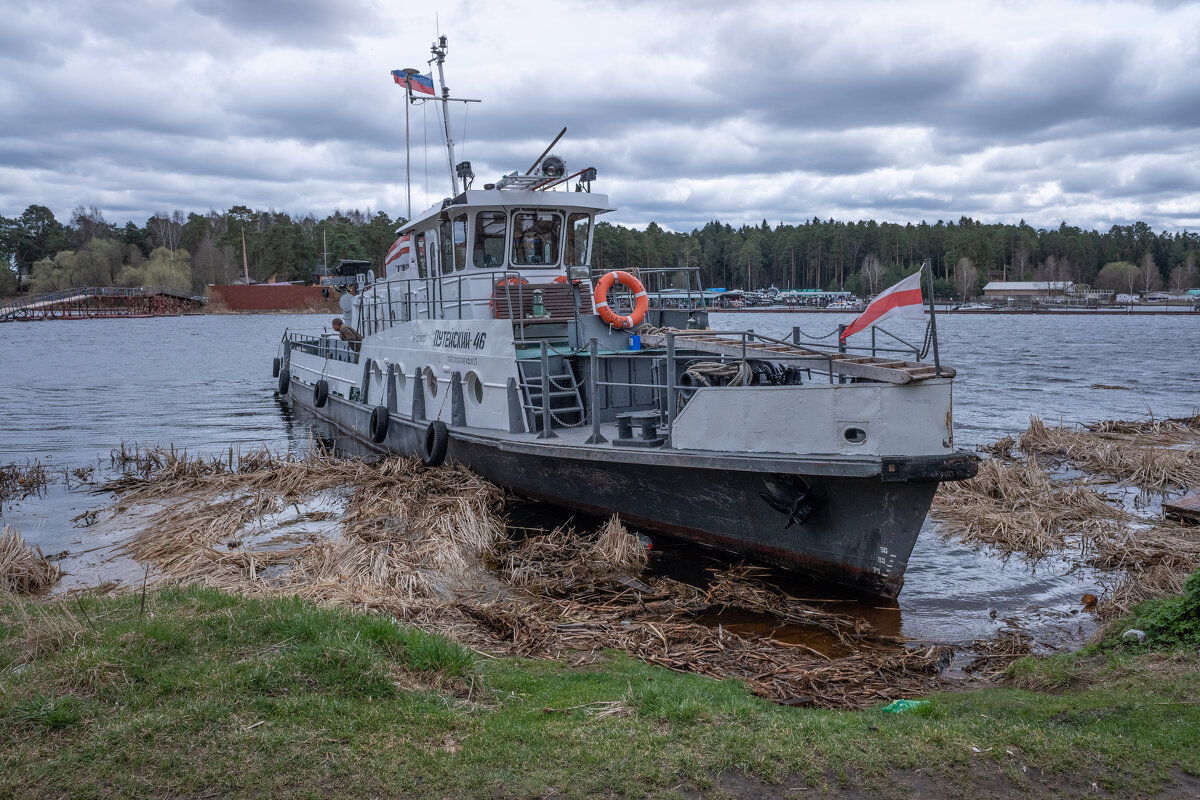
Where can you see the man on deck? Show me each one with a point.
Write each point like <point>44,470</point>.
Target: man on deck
<point>351,337</point>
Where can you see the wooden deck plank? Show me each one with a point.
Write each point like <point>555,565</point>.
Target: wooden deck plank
<point>1185,508</point>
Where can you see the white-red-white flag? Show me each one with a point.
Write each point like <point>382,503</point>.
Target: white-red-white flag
<point>902,300</point>
<point>399,255</point>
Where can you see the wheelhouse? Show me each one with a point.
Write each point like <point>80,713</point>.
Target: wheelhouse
<point>465,248</point>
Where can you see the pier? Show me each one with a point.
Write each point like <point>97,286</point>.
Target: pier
<point>100,302</point>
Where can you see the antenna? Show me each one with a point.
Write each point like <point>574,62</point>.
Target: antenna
<point>544,152</point>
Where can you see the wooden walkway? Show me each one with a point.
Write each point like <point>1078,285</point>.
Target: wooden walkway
<point>99,302</point>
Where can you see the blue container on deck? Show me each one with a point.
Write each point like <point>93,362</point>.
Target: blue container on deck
<point>635,342</point>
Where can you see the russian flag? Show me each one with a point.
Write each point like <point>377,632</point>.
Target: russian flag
<point>901,300</point>
<point>420,84</point>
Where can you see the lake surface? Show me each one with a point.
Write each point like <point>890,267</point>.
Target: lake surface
<point>75,390</point>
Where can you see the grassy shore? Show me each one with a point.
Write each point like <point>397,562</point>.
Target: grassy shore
<point>206,694</point>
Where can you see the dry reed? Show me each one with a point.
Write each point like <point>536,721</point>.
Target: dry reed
<point>994,656</point>
<point>427,546</point>
<point>1122,456</point>
<point>1018,507</point>
<point>618,548</point>
<point>23,568</point>
<point>18,481</point>
<point>1179,429</point>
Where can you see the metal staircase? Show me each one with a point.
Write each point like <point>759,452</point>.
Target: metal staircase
<point>566,403</point>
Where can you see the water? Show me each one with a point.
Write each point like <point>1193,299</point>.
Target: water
<point>75,390</point>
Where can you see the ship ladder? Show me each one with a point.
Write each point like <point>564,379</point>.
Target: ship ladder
<point>566,403</point>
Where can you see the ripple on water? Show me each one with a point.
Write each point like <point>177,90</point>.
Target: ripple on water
<point>204,383</point>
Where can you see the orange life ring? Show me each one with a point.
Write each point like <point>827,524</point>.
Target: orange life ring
<point>500,284</point>
<point>640,301</point>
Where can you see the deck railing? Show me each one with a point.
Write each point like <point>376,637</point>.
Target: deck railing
<point>396,300</point>
<point>818,361</point>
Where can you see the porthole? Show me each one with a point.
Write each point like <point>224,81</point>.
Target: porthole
<point>431,381</point>
<point>474,388</point>
<point>855,435</point>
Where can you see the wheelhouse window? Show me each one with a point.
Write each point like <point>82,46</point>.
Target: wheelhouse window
<point>422,257</point>
<point>536,236</point>
<point>459,231</point>
<point>447,260</point>
<point>579,228</point>
<point>489,238</point>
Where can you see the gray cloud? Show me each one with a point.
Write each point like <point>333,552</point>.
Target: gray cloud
<point>691,111</point>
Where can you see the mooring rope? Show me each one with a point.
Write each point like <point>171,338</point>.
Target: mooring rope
<point>738,372</point>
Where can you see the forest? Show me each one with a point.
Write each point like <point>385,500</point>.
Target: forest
<point>189,251</point>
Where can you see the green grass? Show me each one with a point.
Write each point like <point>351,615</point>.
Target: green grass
<point>207,693</point>
<point>1168,622</point>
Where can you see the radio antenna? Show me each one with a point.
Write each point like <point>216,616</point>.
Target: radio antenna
<point>545,152</point>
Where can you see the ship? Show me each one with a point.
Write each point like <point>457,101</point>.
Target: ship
<point>496,342</point>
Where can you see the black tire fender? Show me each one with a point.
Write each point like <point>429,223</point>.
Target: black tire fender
<point>275,365</point>
<point>434,444</point>
<point>379,424</point>
<point>320,393</point>
<point>285,380</point>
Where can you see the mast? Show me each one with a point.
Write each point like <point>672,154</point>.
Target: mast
<point>409,71</point>
<point>439,54</point>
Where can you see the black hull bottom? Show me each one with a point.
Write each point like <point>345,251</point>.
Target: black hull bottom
<point>858,532</point>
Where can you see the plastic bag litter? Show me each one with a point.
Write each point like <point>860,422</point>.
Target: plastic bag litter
<point>901,706</point>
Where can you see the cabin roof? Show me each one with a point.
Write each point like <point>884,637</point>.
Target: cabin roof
<point>510,199</point>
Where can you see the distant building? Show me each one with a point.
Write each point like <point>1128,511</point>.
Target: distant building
<point>1028,289</point>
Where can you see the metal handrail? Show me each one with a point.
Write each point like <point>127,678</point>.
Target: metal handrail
<point>377,304</point>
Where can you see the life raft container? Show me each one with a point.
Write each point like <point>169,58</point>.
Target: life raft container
<point>640,301</point>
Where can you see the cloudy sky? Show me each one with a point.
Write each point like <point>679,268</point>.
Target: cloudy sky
<point>1084,112</point>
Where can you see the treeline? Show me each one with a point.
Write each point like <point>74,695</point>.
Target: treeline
<point>866,256</point>
<point>181,252</point>
<point>188,252</point>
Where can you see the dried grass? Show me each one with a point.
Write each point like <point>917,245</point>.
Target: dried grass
<point>619,549</point>
<point>427,546</point>
<point>18,481</point>
<point>23,569</point>
<point>38,630</point>
<point>1178,429</point>
<point>1018,506</point>
<point>1142,462</point>
<point>994,656</point>
<point>1161,579</point>
<point>406,536</point>
<point>1001,448</point>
